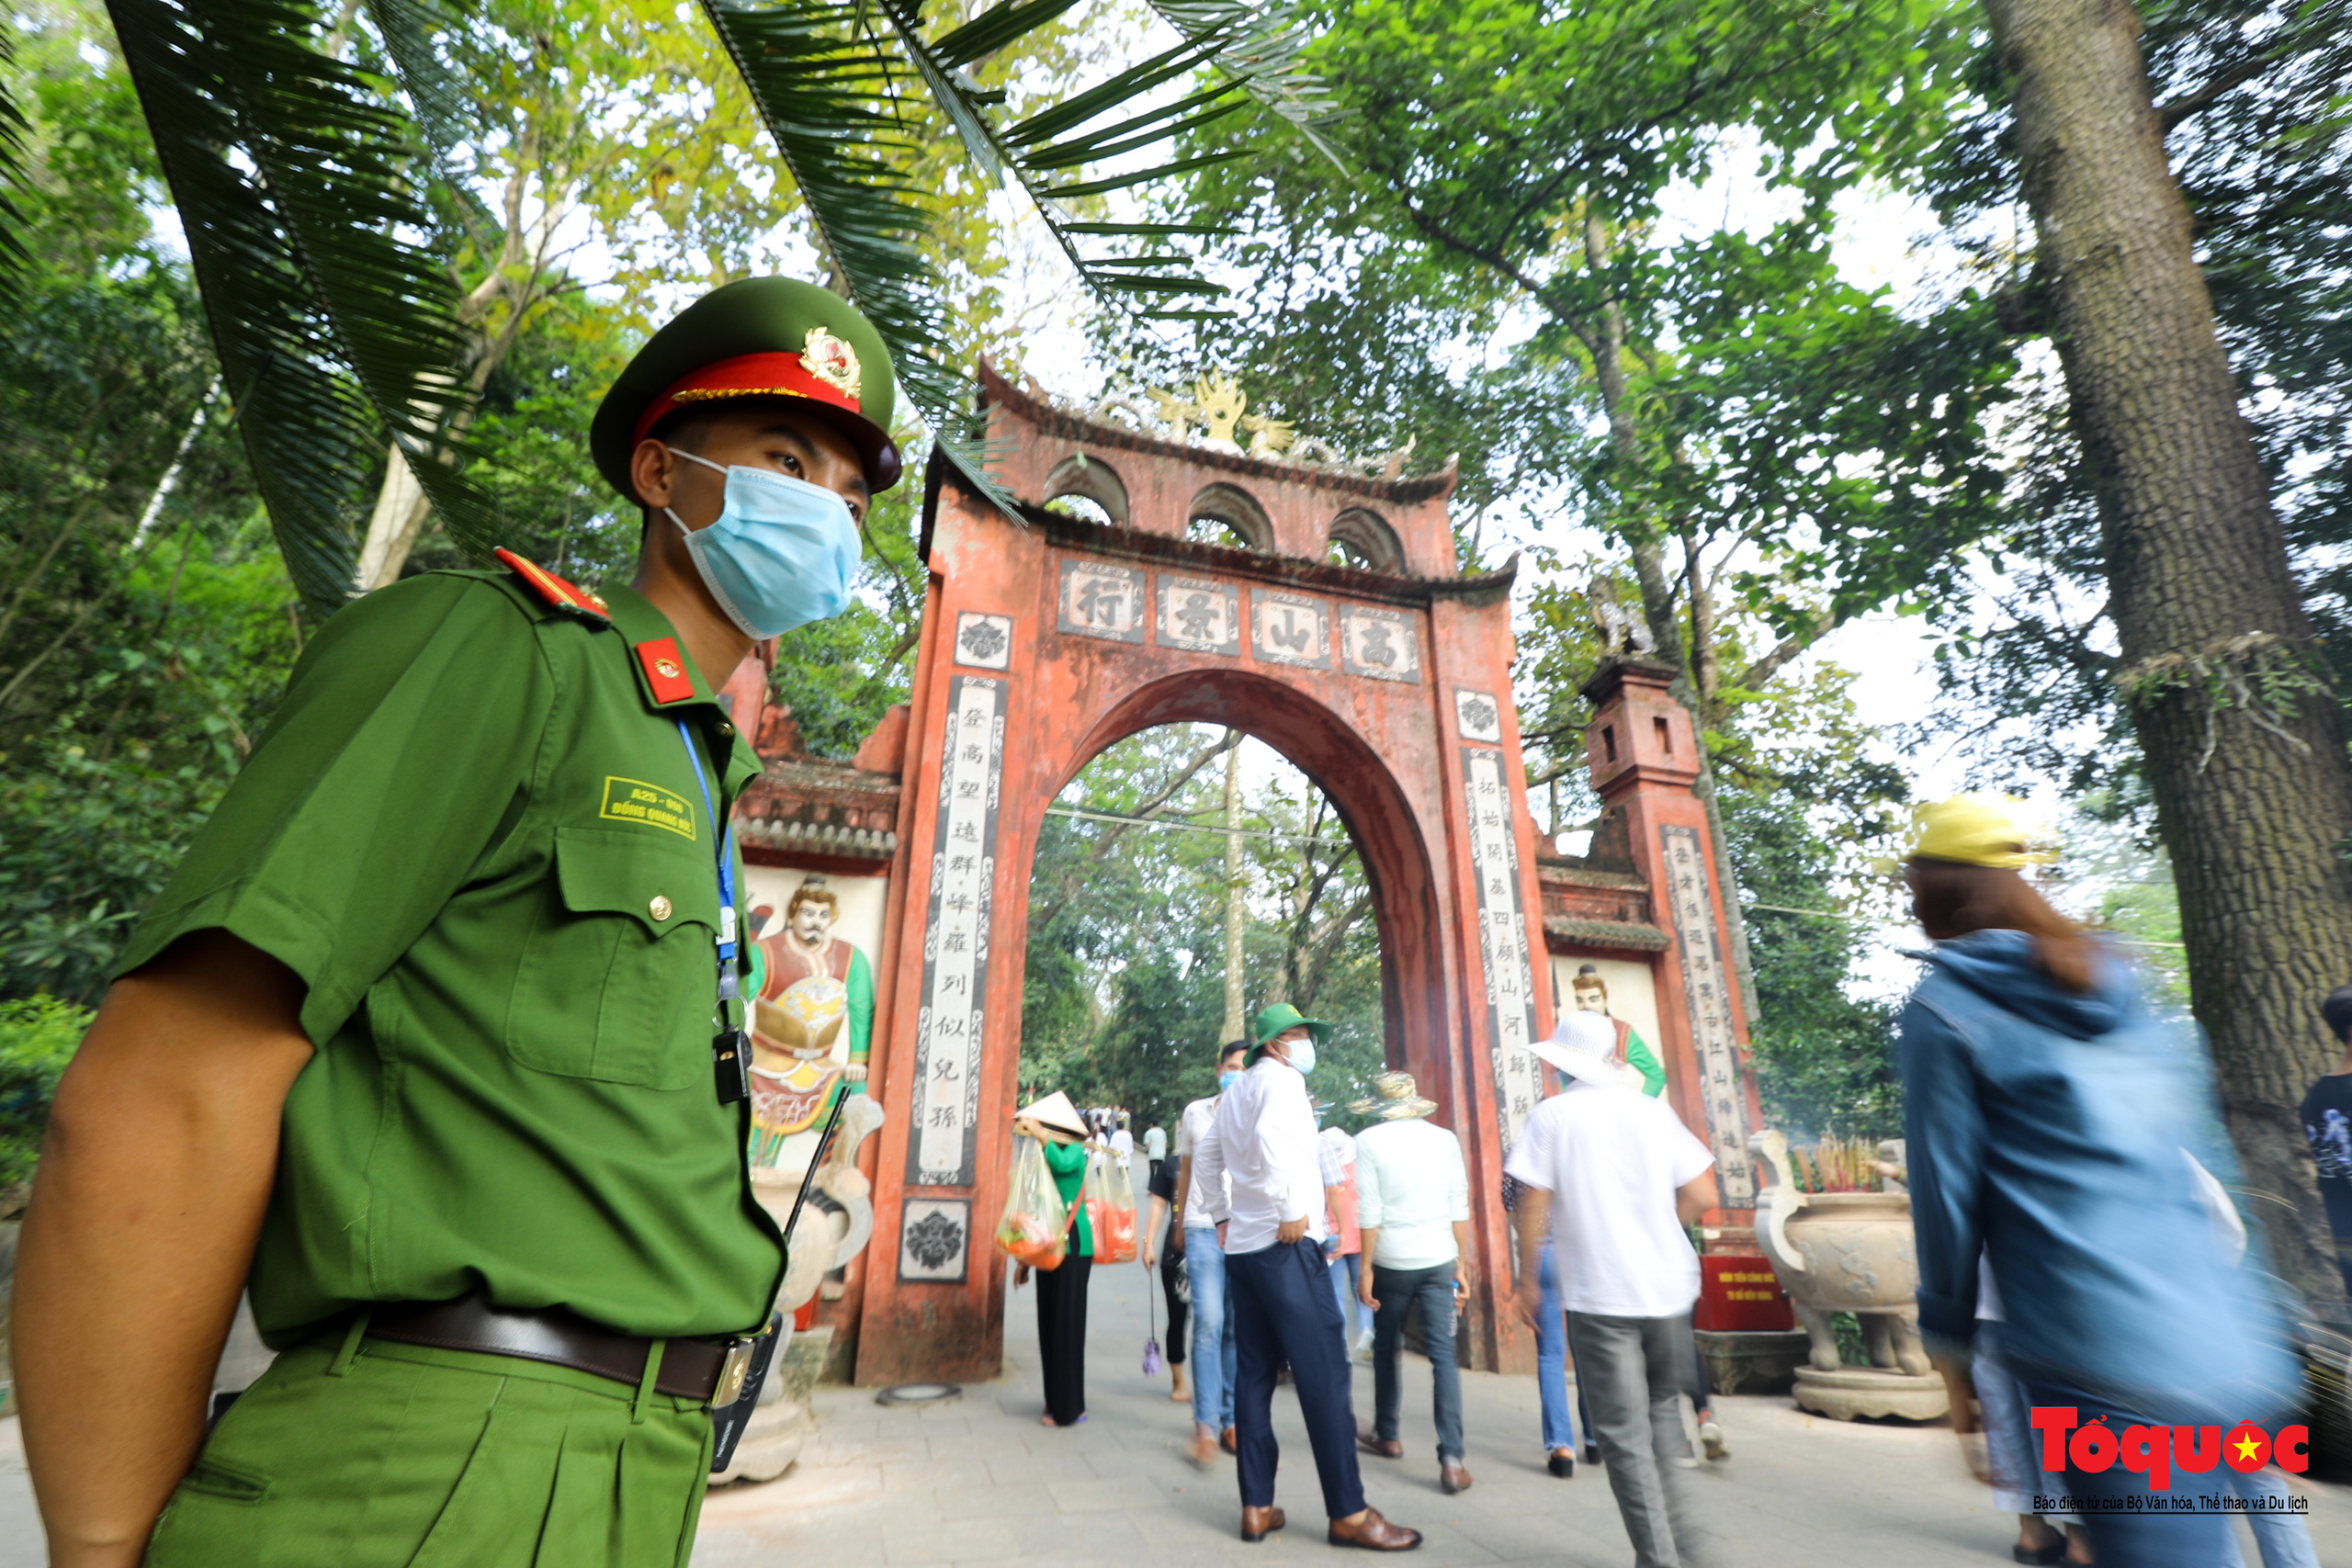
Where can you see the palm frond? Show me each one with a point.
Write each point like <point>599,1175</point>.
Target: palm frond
<point>1259,48</point>
<point>825,92</point>
<point>333,334</point>
<point>825,80</point>
<point>13,129</point>
<point>437,100</point>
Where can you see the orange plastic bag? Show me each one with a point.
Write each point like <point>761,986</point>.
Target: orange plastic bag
<point>1109,1201</point>
<point>1035,1228</point>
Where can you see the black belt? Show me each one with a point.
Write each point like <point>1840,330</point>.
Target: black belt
<point>708,1370</point>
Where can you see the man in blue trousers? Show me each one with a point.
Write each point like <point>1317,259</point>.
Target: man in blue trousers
<point>1278,1286</point>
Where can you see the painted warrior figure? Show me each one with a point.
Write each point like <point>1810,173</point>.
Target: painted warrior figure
<point>1592,995</point>
<point>813,1021</point>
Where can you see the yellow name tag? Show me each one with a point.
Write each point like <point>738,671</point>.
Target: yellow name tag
<point>634,800</point>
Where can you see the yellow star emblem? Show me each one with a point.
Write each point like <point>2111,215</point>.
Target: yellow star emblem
<point>2248,1448</point>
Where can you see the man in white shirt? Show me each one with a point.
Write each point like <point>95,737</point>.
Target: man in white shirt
<point>1199,1211</point>
<point>1263,1136</point>
<point>1616,1179</point>
<point>1413,1205</point>
<point>1154,1146</point>
<point>1123,1142</point>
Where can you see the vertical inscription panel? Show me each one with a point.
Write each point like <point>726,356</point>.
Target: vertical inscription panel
<point>948,1030</point>
<point>1502,942</point>
<point>1691,892</point>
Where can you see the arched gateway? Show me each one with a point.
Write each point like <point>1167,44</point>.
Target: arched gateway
<point>1386,680</point>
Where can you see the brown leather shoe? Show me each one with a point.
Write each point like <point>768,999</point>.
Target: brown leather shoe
<point>1257,1522</point>
<point>1373,1445</point>
<point>1230,1441</point>
<point>1374,1534</point>
<point>1452,1476</point>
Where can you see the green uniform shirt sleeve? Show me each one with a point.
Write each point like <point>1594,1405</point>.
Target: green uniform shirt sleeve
<point>861,1012</point>
<point>1067,1162</point>
<point>1645,1062</point>
<point>402,749</point>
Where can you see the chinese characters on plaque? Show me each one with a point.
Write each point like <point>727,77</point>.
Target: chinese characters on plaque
<point>1200,614</point>
<point>955,937</point>
<point>1101,600</point>
<point>1383,644</point>
<point>1502,942</point>
<point>1690,891</point>
<point>1290,628</point>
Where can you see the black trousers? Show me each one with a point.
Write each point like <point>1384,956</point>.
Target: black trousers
<point>1171,1281</point>
<point>1061,1338</point>
<point>1282,1310</point>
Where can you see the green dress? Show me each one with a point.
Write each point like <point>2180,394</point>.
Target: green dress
<point>1067,1162</point>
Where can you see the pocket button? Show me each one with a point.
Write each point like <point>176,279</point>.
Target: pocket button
<point>660,907</point>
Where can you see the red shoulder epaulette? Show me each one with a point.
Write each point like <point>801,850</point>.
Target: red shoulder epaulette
<point>556,591</point>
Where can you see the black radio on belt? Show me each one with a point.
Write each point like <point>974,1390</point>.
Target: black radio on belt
<point>730,1060</point>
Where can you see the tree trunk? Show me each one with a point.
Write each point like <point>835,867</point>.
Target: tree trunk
<point>1234,913</point>
<point>2252,791</point>
<point>1608,349</point>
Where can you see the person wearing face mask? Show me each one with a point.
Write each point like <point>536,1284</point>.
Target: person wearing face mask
<point>1279,1287</point>
<point>435,1042</point>
<point>1198,1213</point>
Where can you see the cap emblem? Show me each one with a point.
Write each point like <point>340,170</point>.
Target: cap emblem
<point>831,361</point>
<point>668,669</point>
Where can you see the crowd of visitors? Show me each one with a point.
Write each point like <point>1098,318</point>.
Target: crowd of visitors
<point>2076,1246</point>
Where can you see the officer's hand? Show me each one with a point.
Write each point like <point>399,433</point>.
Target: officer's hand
<point>1290,1231</point>
<point>856,1072</point>
<point>1019,1275</point>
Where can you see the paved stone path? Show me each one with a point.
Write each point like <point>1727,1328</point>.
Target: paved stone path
<point>978,1481</point>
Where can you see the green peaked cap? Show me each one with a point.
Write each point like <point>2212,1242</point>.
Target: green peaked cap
<point>1272,1021</point>
<point>753,315</point>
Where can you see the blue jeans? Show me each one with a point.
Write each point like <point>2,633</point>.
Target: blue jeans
<point>2283,1539</point>
<point>1213,1361</point>
<point>2141,1539</point>
<point>1396,1290</point>
<point>1551,1361</point>
<point>1345,1273</point>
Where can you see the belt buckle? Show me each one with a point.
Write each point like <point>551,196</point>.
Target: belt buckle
<point>732,1372</point>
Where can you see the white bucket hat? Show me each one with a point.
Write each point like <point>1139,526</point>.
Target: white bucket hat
<point>1583,1046</point>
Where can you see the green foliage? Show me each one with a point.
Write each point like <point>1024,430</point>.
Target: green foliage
<point>38,1037</point>
<point>334,328</point>
<point>2258,131</point>
<point>84,846</point>
<point>1825,1059</point>
<point>1123,993</point>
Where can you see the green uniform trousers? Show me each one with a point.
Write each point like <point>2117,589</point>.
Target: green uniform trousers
<point>403,1454</point>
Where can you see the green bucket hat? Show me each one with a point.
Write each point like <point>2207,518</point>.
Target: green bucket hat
<point>1282,1016</point>
<point>757,337</point>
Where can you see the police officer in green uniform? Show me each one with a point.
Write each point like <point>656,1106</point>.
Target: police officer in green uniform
<point>431,1042</point>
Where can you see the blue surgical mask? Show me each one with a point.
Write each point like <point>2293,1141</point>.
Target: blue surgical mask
<point>782,554</point>
<point>1301,1055</point>
<point>1227,1078</point>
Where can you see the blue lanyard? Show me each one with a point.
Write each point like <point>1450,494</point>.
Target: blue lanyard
<point>730,1049</point>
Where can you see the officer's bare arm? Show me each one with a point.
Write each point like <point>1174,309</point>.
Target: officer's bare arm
<point>158,1164</point>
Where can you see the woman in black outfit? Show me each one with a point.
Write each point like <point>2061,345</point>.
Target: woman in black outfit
<point>1172,1280</point>
<point>1061,1292</point>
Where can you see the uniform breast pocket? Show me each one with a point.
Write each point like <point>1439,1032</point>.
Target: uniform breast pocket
<point>618,977</point>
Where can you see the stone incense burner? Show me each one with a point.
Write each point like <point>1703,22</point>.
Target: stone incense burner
<point>1848,1252</point>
